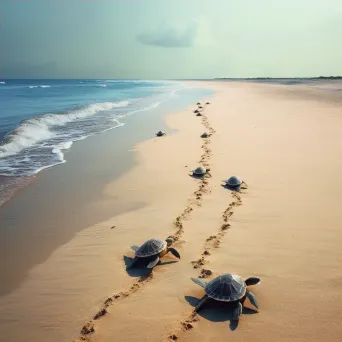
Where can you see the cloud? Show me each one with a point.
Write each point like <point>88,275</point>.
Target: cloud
<point>171,36</point>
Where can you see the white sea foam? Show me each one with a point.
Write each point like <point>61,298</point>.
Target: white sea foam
<point>66,145</point>
<point>2,82</point>
<point>37,129</point>
<point>58,150</point>
<point>58,153</point>
<point>40,86</point>
<point>40,142</point>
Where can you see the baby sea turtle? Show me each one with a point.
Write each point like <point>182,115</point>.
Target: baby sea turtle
<point>198,114</point>
<point>207,103</point>
<point>160,134</point>
<point>152,250</point>
<point>234,182</point>
<point>200,171</point>
<point>228,288</point>
<point>205,135</point>
<point>198,103</point>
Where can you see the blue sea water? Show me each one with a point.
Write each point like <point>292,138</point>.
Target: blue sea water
<point>40,119</point>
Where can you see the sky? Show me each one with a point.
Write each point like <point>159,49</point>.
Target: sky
<point>170,39</point>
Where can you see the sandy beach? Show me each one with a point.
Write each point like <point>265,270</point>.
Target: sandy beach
<point>284,141</point>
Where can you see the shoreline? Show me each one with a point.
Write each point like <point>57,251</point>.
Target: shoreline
<point>69,197</point>
<point>98,230</point>
<point>288,235</point>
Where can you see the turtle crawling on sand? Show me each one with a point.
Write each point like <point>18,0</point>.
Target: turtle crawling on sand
<point>234,182</point>
<point>152,250</point>
<point>200,171</point>
<point>228,288</point>
<point>160,134</point>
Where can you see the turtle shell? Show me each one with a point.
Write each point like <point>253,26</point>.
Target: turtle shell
<point>160,133</point>
<point>204,135</point>
<point>226,288</point>
<point>150,247</point>
<point>234,181</point>
<point>200,171</point>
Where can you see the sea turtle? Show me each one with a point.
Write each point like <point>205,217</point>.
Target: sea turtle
<point>160,134</point>
<point>152,250</point>
<point>205,135</point>
<point>228,288</point>
<point>234,182</point>
<point>200,171</point>
<point>196,111</point>
<point>207,103</point>
<point>198,103</point>
<point>198,114</point>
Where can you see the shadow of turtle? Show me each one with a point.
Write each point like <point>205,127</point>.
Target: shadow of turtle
<point>235,189</point>
<point>232,188</point>
<point>193,175</point>
<point>216,311</point>
<point>139,270</point>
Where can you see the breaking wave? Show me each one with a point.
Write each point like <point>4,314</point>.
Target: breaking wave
<point>41,128</point>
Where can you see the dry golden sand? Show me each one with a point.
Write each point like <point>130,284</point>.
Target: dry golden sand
<point>284,228</point>
<point>286,231</point>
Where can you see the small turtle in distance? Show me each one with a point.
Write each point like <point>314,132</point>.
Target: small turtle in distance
<point>200,171</point>
<point>234,182</point>
<point>160,134</point>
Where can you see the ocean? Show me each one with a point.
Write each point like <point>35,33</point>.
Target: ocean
<point>41,119</point>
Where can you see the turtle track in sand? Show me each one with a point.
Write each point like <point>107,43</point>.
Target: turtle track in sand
<point>203,186</point>
<point>210,244</point>
<point>89,328</point>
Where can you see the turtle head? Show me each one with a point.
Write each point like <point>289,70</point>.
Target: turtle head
<point>252,281</point>
<point>169,241</point>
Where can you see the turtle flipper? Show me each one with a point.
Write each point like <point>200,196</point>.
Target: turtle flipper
<point>154,262</point>
<point>133,263</point>
<point>252,299</point>
<point>201,303</point>
<point>199,282</point>
<point>237,312</point>
<point>174,252</point>
<point>252,281</point>
<point>135,247</point>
